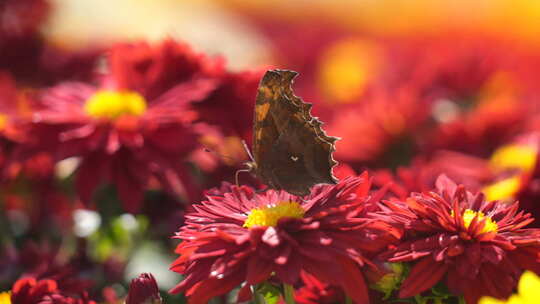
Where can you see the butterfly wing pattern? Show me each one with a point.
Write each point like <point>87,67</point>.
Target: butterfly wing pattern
<point>290,150</point>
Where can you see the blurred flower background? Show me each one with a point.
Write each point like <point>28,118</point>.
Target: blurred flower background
<point>117,116</point>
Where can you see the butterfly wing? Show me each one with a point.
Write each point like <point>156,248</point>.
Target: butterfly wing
<point>290,149</point>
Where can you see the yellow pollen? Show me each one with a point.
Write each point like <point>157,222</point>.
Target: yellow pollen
<point>5,297</point>
<point>489,224</point>
<point>521,157</point>
<point>111,105</point>
<point>270,215</point>
<point>504,189</point>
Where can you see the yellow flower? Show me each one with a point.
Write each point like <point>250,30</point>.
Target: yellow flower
<point>514,156</point>
<point>528,292</point>
<point>504,189</point>
<point>5,297</point>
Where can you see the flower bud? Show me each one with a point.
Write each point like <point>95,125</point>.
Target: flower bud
<point>143,290</point>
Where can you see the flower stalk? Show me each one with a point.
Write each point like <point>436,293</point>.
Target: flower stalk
<point>288,293</point>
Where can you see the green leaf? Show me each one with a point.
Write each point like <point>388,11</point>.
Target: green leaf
<point>269,292</point>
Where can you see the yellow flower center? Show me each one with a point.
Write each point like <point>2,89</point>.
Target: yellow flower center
<point>270,215</point>
<point>5,297</point>
<point>111,105</point>
<point>521,157</point>
<point>489,224</point>
<point>503,189</point>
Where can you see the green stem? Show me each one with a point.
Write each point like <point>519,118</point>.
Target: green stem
<point>419,299</point>
<point>257,297</point>
<point>461,300</point>
<point>288,293</point>
<point>348,300</point>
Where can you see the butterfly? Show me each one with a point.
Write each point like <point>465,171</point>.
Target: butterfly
<point>290,150</point>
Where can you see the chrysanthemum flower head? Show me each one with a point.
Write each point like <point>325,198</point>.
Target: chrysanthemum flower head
<point>243,236</point>
<point>383,125</point>
<point>457,235</point>
<point>139,123</point>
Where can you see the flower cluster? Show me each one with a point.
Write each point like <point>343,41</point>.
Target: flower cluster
<point>460,237</point>
<point>108,149</point>
<point>241,235</point>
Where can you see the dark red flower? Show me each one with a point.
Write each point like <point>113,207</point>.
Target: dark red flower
<point>28,55</point>
<point>241,235</point>
<point>234,97</point>
<point>493,122</point>
<point>31,291</point>
<point>137,125</point>
<point>456,235</point>
<point>422,173</point>
<point>22,18</point>
<point>62,299</point>
<point>152,70</point>
<point>72,275</point>
<point>28,184</point>
<point>386,118</point>
<point>143,290</point>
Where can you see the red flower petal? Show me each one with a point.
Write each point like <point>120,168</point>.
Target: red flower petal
<point>423,276</point>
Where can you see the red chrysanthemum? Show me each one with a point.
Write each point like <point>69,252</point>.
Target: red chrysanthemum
<point>137,124</point>
<point>387,117</point>
<point>234,97</point>
<point>480,247</point>
<point>46,261</point>
<point>422,173</point>
<point>245,236</point>
<point>31,291</point>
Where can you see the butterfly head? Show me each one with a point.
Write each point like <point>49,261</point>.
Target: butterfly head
<point>251,166</point>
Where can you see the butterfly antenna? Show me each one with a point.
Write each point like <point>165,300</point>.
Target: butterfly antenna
<point>237,174</point>
<point>248,151</point>
<point>249,165</point>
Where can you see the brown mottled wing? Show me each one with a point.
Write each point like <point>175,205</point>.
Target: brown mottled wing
<point>290,149</point>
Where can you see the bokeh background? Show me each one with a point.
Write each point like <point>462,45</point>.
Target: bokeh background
<point>440,85</point>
